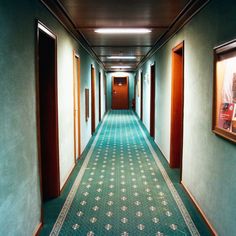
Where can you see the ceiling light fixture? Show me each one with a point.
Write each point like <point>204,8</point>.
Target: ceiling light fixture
<point>123,31</point>
<point>120,67</point>
<point>122,57</point>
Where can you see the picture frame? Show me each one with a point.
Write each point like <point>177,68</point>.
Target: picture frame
<point>224,91</point>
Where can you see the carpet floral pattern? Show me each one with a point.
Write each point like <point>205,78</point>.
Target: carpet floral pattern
<point>122,188</point>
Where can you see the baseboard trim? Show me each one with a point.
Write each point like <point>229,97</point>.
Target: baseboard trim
<point>68,177</point>
<point>211,228</point>
<point>79,159</point>
<point>38,229</point>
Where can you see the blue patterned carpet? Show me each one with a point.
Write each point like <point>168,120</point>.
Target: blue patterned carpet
<point>122,186</point>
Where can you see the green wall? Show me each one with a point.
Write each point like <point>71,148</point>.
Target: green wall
<point>20,203</point>
<point>109,87</point>
<point>209,162</point>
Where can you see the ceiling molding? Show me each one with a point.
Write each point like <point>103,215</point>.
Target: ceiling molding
<point>190,10</point>
<point>121,46</point>
<point>126,27</point>
<point>61,15</point>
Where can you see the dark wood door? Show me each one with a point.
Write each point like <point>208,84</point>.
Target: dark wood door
<point>105,90</point>
<point>99,95</point>
<point>93,101</point>
<point>177,103</point>
<point>120,93</point>
<point>152,101</point>
<point>141,96</point>
<point>48,115</point>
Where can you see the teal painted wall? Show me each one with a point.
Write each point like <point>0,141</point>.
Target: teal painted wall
<point>109,87</point>
<point>19,182</point>
<point>209,162</point>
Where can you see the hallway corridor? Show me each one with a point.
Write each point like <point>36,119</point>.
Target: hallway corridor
<point>123,187</point>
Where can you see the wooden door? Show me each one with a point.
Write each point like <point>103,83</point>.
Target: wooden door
<point>99,95</point>
<point>177,103</point>
<point>105,91</point>
<point>93,101</point>
<point>47,113</point>
<point>152,101</point>
<point>141,96</point>
<point>120,93</point>
<point>77,135</point>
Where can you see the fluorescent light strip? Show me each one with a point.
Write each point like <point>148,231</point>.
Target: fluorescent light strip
<point>123,31</point>
<point>120,67</point>
<point>122,57</point>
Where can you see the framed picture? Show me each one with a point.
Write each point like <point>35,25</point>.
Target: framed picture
<point>224,99</point>
<point>86,104</point>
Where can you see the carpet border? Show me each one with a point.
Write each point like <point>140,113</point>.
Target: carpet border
<point>186,216</point>
<point>66,206</point>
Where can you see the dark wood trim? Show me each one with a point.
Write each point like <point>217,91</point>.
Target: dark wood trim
<point>152,99</point>
<point>93,100</point>
<point>87,106</point>
<point>99,95</point>
<point>177,109</point>
<point>108,55</point>
<point>128,91</point>
<point>120,46</point>
<point>131,26</point>
<point>120,70</point>
<point>41,27</point>
<point>224,134</point>
<point>221,52</point>
<point>38,229</point>
<point>141,96</point>
<point>105,90</point>
<point>201,212</point>
<point>76,60</point>
<point>59,12</point>
<point>190,10</point>
<point>38,115</point>
<point>74,98</point>
<point>135,92</point>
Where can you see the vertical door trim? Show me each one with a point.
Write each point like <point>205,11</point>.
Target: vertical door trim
<point>93,100</point>
<point>152,99</point>
<point>41,27</point>
<point>141,96</point>
<point>99,94</point>
<point>176,162</point>
<point>105,90</point>
<point>76,59</point>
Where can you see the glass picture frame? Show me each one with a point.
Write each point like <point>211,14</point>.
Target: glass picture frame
<point>224,94</point>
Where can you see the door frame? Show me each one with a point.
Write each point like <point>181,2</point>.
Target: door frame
<point>76,59</point>
<point>40,27</point>
<point>99,95</point>
<point>93,99</point>
<point>141,96</point>
<point>177,143</point>
<point>152,99</point>
<point>127,80</point>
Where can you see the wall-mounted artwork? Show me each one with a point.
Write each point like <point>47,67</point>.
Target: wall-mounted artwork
<point>86,104</point>
<point>224,110</point>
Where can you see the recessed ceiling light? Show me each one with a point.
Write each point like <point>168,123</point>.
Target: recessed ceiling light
<point>120,67</point>
<point>122,57</point>
<point>123,31</point>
